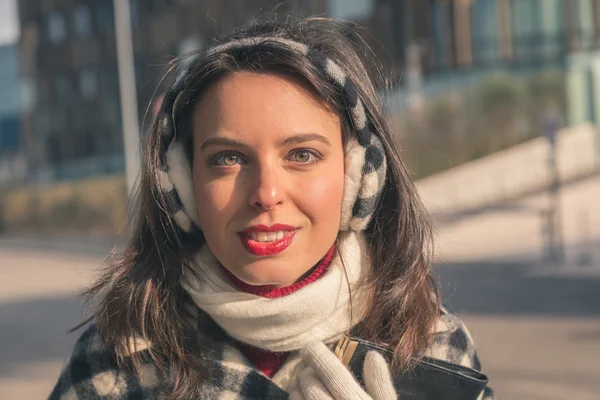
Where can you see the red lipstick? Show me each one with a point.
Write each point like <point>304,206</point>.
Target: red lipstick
<point>267,248</point>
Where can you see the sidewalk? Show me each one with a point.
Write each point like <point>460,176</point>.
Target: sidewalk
<point>71,244</point>
<point>39,303</point>
<point>514,233</point>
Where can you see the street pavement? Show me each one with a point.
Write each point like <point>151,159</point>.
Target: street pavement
<point>39,303</point>
<point>538,333</point>
<point>537,325</point>
<point>538,336</point>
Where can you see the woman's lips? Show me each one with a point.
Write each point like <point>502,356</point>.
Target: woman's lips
<point>255,239</point>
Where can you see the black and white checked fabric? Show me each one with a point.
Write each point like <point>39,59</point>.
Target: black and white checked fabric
<point>92,373</point>
<point>365,169</point>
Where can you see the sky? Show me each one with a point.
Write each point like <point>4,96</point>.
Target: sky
<point>9,22</point>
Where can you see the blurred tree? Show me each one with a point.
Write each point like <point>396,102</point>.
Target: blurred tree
<point>496,112</point>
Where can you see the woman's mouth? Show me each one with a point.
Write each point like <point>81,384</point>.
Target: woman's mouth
<point>261,240</point>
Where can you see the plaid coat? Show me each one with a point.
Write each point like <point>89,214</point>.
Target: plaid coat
<point>91,371</point>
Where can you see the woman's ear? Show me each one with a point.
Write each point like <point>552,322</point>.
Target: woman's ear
<point>353,161</point>
<point>365,170</point>
<point>179,177</point>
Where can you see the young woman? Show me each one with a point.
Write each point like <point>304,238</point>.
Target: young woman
<point>280,250</point>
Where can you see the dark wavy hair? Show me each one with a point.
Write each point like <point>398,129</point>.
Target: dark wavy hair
<point>138,293</point>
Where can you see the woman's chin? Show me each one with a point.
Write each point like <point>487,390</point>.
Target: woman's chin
<point>259,275</point>
<point>274,281</point>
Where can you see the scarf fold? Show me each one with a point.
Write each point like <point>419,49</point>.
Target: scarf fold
<point>323,310</point>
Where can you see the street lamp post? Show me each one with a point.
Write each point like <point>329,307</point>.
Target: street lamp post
<point>555,247</point>
<point>127,87</point>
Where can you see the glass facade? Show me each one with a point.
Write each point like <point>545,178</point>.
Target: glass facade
<point>10,107</point>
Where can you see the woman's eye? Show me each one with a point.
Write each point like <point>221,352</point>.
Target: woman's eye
<point>304,156</point>
<point>226,160</point>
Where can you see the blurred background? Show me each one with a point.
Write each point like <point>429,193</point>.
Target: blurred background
<point>494,103</point>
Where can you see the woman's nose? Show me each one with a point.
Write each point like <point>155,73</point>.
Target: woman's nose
<point>267,189</point>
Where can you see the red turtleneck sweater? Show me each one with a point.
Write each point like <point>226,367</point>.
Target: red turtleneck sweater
<point>269,362</point>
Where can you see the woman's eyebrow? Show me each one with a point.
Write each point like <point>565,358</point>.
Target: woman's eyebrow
<point>291,140</point>
<point>301,138</point>
<point>222,141</point>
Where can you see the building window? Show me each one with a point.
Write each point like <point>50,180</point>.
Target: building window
<point>44,95</point>
<point>349,9</point>
<point>88,83</point>
<point>104,18</point>
<point>484,33</point>
<point>187,46</point>
<point>28,93</point>
<point>63,88</point>
<point>134,11</point>
<point>139,76</point>
<point>89,144</point>
<point>112,112</point>
<point>57,29</point>
<point>9,134</point>
<point>82,18</point>
<point>54,149</point>
<point>190,44</point>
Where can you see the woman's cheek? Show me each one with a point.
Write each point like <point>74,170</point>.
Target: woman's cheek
<point>222,196</point>
<point>321,192</point>
<point>214,199</point>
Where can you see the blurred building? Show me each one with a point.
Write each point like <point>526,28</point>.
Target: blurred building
<point>475,34</point>
<point>71,124</point>
<point>12,165</point>
<point>71,117</point>
<point>10,100</point>
<point>164,30</point>
<point>71,104</point>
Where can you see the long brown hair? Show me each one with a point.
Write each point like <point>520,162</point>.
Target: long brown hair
<point>139,292</point>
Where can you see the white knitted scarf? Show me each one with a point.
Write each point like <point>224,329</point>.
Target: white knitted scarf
<point>323,310</point>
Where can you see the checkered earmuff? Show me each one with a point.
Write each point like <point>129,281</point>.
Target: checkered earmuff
<point>365,163</point>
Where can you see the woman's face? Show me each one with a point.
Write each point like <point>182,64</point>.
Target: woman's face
<point>268,176</point>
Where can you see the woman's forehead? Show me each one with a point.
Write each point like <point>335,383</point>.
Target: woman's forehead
<point>247,104</point>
